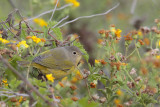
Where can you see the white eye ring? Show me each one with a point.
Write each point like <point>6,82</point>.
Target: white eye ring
<point>74,52</point>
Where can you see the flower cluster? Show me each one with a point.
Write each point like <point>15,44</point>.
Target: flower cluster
<point>74,2</point>
<point>50,77</point>
<point>40,22</point>
<point>22,45</point>
<point>4,41</point>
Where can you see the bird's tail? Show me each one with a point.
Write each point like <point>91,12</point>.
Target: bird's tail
<point>24,63</point>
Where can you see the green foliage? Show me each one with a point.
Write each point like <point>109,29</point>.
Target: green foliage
<point>58,33</point>
<point>115,79</point>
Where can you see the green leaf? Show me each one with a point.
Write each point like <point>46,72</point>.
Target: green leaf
<point>58,33</point>
<point>103,91</point>
<point>84,103</point>
<point>103,81</point>
<point>42,90</point>
<point>14,83</point>
<point>108,90</point>
<point>66,102</point>
<point>112,98</point>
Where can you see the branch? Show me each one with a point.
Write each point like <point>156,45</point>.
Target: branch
<point>82,17</point>
<point>46,12</point>
<point>8,28</point>
<point>54,10</point>
<point>60,22</point>
<point>26,81</point>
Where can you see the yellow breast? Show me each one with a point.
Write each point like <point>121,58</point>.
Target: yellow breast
<point>57,73</point>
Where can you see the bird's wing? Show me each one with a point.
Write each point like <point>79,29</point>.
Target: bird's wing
<point>54,59</point>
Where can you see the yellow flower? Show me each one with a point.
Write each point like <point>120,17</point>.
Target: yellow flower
<point>22,44</point>
<point>119,92</point>
<point>4,81</point>
<point>21,99</point>
<point>35,39</point>
<point>158,56</point>
<point>140,33</point>
<point>78,75</point>
<point>124,64</point>
<point>118,33</point>
<point>74,2</point>
<point>4,40</point>
<point>116,101</point>
<point>50,77</point>
<point>74,80</point>
<point>97,61</point>
<point>40,22</point>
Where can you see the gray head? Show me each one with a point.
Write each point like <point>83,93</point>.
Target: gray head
<point>74,53</point>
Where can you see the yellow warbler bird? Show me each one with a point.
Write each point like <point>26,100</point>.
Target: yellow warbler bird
<point>59,61</point>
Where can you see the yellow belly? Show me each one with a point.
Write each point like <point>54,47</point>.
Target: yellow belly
<point>55,72</point>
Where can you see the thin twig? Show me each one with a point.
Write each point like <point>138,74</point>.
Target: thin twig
<point>24,20</point>
<point>8,28</point>
<point>90,16</point>
<point>67,5</point>
<point>60,21</point>
<point>26,81</point>
<point>46,12</point>
<point>54,10</point>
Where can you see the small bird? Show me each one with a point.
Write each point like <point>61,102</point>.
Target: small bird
<point>59,61</point>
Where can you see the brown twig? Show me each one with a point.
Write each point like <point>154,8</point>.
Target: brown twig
<point>8,28</point>
<point>57,41</point>
<point>26,81</point>
<point>18,12</point>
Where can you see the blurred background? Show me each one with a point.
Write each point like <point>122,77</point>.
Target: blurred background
<point>131,14</point>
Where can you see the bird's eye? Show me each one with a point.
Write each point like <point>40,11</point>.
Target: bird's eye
<point>74,53</point>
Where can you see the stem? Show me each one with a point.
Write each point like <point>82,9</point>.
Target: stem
<point>138,53</point>
<point>30,51</point>
<point>129,75</point>
<point>131,54</point>
<point>37,51</point>
<point>126,51</point>
<point>137,50</point>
